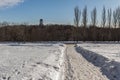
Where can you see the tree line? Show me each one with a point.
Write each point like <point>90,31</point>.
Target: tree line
<point>108,30</point>
<point>33,33</point>
<point>109,18</point>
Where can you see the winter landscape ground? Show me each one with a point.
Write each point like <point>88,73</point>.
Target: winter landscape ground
<point>30,61</point>
<point>106,56</point>
<point>59,61</point>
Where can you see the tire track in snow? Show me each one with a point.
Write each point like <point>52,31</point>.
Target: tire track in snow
<point>78,68</point>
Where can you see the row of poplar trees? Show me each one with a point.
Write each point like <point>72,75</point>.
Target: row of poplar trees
<point>109,17</point>
<point>106,28</point>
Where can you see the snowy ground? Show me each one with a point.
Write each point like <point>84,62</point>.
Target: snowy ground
<point>106,56</point>
<point>31,61</point>
<point>56,61</point>
<point>110,51</point>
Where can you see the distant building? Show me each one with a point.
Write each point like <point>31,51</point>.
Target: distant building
<point>41,22</point>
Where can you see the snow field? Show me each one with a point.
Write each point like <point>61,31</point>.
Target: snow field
<point>31,61</point>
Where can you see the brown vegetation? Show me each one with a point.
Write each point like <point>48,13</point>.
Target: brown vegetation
<point>58,33</point>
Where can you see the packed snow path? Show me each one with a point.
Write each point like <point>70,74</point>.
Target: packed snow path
<point>78,68</point>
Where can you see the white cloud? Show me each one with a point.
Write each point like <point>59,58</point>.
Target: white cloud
<point>9,3</point>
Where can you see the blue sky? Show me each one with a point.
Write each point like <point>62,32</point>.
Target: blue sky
<point>52,11</point>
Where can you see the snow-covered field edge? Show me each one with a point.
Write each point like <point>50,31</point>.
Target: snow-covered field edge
<point>109,68</point>
<point>62,63</point>
<point>34,61</point>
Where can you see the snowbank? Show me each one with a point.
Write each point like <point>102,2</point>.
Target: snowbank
<point>102,56</point>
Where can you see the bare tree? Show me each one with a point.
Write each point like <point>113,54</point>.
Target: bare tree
<point>94,17</point>
<point>5,23</point>
<point>118,16</point>
<point>77,14</point>
<point>103,17</point>
<point>109,17</point>
<point>115,18</point>
<point>84,16</point>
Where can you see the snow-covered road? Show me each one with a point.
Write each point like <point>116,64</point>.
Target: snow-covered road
<point>30,61</point>
<point>78,68</point>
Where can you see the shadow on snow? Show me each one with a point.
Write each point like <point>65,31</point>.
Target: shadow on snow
<point>109,68</point>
